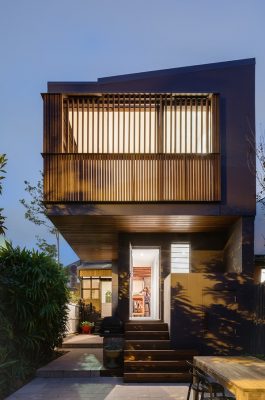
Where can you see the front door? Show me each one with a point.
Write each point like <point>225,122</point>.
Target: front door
<point>144,283</point>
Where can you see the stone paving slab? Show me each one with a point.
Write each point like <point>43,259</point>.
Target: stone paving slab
<point>84,340</point>
<point>75,363</point>
<point>97,389</point>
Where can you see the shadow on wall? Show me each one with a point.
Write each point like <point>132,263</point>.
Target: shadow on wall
<point>212,312</point>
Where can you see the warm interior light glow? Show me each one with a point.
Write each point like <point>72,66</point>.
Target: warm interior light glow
<point>262,275</point>
<point>137,131</point>
<point>180,257</point>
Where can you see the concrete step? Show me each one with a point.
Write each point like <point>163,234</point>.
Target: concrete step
<point>117,372</point>
<point>148,355</point>
<point>65,373</point>
<point>156,377</point>
<point>82,346</point>
<point>148,335</point>
<point>147,344</point>
<point>76,363</point>
<point>146,326</point>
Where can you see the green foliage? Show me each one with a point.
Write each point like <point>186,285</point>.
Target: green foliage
<point>74,297</point>
<point>49,249</point>
<point>36,212</point>
<point>33,312</point>
<point>3,161</point>
<point>87,323</point>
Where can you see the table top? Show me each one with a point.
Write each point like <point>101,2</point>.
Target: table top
<point>245,372</point>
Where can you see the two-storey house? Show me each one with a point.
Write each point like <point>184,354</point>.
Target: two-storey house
<point>147,178</point>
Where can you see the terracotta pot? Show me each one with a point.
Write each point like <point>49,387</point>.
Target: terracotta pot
<point>86,329</point>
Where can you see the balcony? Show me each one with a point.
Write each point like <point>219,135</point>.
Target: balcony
<point>131,148</point>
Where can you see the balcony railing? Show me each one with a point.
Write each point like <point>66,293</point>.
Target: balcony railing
<point>131,177</point>
<point>131,148</point>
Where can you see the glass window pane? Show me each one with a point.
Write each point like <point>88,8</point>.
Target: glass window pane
<point>95,283</point>
<point>95,294</point>
<point>87,294</point>
<point>86,283</point>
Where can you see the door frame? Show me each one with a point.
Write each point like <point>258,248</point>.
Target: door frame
<point>158,310</point>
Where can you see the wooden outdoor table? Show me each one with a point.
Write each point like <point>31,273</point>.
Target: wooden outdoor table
<point>243,376</point>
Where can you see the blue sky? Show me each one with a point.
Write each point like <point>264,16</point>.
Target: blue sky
<point>81,40</point>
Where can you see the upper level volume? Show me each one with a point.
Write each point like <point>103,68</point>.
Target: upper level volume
<point>164,136</point>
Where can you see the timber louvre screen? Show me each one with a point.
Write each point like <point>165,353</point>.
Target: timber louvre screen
<point>132,148</point>
<point>140,124</point>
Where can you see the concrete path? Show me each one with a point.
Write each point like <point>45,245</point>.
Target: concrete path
<point>75,376</point>
<point>83,341</point>
<point>97,389</point>
<point>75,363</point>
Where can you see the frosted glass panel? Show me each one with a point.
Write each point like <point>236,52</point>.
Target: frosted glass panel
<point>180,257</point>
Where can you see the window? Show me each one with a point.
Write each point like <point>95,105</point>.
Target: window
<point>90,288</point>
<point>180,258</point>
<point>262,275</point>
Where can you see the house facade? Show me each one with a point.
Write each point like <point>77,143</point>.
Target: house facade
<point>150,174</point>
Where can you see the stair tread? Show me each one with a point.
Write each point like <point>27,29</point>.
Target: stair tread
<point>158,362</point>
<point>146,344</point>
<point>146,340</point>
<point>146,331</point>
<point>147,335</point>
<point>176,351</point>
<point>156,377</point>
<point>150,327</point>
<point>158,373</point>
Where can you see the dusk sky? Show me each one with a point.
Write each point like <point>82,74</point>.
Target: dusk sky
<point>82,40</point>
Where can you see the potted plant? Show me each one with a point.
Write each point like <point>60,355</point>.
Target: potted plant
<point>113,355</point>
<point>86,326</point>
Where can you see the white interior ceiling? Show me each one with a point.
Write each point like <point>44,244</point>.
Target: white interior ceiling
<point>144,257</point>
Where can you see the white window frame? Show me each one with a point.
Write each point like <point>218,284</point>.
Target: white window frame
<point>179,261</point>
<point>262,275</point>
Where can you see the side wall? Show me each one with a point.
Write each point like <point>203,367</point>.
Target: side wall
<point>239,249</point>
<point>211,312</point>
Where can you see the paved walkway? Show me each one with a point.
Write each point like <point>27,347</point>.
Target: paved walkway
<point>83,341</point>
<point>75,363</point>
<point>75,376</point>
<point>97,389</point>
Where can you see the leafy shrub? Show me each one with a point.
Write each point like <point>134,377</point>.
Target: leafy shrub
<point>33,312</point>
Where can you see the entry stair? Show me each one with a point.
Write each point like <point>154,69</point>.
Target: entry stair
<point>148,357</point>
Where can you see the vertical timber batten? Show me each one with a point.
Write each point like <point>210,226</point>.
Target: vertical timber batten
<point>131,148</point>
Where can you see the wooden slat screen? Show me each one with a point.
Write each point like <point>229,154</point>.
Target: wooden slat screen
<point>131,148</point>
<point>131,178</point>
<point>142,123</point>
<point>52,122</point>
